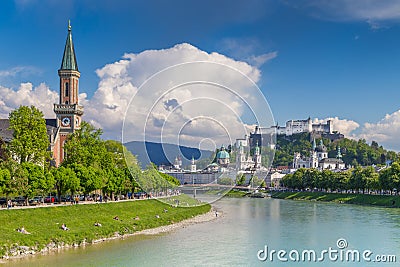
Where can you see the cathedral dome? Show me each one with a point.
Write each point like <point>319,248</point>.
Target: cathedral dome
<point>223,154</point>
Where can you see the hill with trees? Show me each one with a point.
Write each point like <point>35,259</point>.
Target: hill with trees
<point>354,152</point>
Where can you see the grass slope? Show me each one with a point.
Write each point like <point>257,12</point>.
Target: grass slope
<point>44,223</point>
<point>360,199</point>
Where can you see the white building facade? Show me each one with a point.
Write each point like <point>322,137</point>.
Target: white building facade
<point>303,126</point>
<point>319,159</point>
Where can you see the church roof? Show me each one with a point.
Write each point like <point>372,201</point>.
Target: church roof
<point>51,123</point>
<point>69,59</point>
<point>331,160</point>
<point>7,135</point>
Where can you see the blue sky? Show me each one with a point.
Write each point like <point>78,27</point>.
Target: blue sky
<point>317,58</point>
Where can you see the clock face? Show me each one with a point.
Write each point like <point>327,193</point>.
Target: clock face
<point>66,121</point>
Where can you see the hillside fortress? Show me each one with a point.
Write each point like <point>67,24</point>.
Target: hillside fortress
<point>264,136</point>
<point>304,126</point>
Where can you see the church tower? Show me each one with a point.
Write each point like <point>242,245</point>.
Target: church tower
<point>68,112</point>
<point>193,165</point>
<point>257,157</point>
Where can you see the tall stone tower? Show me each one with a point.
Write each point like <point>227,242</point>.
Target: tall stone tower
<point>68,111</point>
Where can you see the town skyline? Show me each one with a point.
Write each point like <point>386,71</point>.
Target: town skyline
<point>333,60</point>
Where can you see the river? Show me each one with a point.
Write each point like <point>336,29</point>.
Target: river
<point>247,226</point>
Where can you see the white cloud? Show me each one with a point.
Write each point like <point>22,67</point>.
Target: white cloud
<point>343,126</point>
<point>259,60</point>
<point>19,70</point>
<point>41,97</point>
<point>193,111</point>
<point>374,12</point>
<point>246,49</point>
<point>386,131</point>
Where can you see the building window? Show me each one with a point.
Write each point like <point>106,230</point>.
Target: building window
<point>66,89</point>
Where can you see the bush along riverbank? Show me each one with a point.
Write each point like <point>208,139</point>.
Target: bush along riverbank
<point>42,231</point>
<point>359,199</point>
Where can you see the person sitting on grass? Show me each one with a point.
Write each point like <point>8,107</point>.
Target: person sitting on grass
<point>64,227</point>
<point>97,224</point>
<point>23,231</point>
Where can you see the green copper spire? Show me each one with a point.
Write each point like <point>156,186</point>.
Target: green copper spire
<point>257,149</point>
<point>69,58</point>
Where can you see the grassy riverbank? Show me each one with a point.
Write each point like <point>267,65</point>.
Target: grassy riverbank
<point>360,199</point>
<point>44,223</point>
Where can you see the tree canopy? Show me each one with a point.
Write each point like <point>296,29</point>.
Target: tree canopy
<point>358,179</point>
<point>30,141</point>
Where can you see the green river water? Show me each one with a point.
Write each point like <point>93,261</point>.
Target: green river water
<point>247,228</point>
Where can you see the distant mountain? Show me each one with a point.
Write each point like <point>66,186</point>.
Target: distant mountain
<point>164,153</point>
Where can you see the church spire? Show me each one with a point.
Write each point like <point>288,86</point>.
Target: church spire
<point>339,154</point>
<point>69,58</point>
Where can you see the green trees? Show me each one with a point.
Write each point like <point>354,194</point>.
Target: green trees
<point>152,181</point>
<point>38,182</point>
<point>85,147</point>
<point>359,180</point>
<point>389,178</point>
<point>26,179</point>
<point>30,141</point>
<point>66,181</point>
<point>240,179</point>
<point>320,180</point>
<point>363,178</point>
<point>255,181</point>
<point>5,178</point>
<point>108,166</point>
